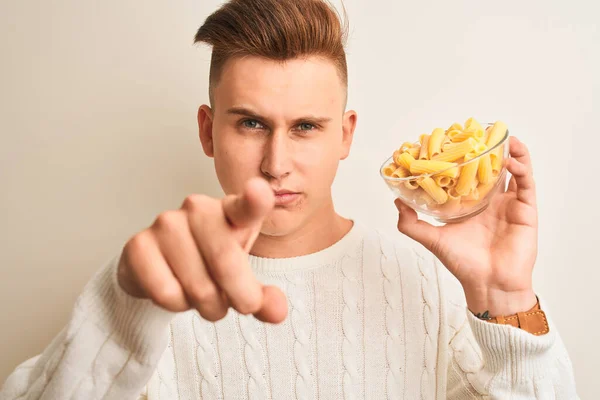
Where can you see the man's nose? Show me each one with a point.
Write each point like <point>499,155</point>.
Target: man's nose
<point>277,160</point>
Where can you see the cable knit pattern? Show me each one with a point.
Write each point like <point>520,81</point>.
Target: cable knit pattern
<point>367,319</point>
<point>467,357</point>
<point>431,321</point>
<point>394,322</point>
<point>167,374</point>
<point>350,322</point>
<point>302,329</point>
<point>207,360</point>
<point>254,358</point>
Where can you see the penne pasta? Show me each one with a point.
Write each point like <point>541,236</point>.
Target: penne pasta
<point>442,168</point>
<point>438,194</point>
<point>486,135</point>
<point>453,133</point>
<point>446,141</point>
<point>480,148</point>
<point>453,193</point>
<point>455,126</point>
<point>405,146</point>
<point>414,151</point>
<point>455,152</point>
<point>404,160</point>
<point>389,169</point>
<point>496,133</point>
<point>444,181</point>
<point>467,176</point>
<point>453,202</point>
<point>497,159</point>
<point>448,145</point>
<point>472,124</point>
<point>412,185</point>
<point>424,147</point>
<point>435,142</point>
<point>400,172</point>
<point>461,136</point>
<point>484,172</point>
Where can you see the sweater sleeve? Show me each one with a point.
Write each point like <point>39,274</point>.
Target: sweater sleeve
<point>504,362</point>
<point>109,348</point>
<point>487,360</point>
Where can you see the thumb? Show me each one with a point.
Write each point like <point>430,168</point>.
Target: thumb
<point>410,225</point>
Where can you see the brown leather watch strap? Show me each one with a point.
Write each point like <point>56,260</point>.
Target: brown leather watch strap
<point>533,321</point>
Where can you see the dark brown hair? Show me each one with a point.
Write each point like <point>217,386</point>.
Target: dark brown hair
<point>276,30</point>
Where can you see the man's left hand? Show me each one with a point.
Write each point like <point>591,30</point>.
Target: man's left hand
<point>493,253</point>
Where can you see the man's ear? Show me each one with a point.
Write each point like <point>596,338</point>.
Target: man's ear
<point>348,127</point>
<point>205,125</point>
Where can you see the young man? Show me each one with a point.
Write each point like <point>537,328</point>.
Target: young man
<point>345,312</point>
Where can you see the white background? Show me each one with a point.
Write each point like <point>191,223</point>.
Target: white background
<point>98,103</point>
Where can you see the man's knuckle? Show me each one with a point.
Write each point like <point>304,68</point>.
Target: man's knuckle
<point>213,315</point>
<point>168,221</point>
<point>195,203</point>
<point>203,293</point>
<point>138,244</point>
<point>166,295</point>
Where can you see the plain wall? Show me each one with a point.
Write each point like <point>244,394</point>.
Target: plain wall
<point>98,132</point>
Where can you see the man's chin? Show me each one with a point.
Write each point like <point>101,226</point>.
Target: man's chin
<point>282,222</point>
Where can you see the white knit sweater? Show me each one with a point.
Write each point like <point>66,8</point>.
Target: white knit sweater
<point>368,318</point>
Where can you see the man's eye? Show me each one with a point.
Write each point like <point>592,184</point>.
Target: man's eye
<point>252,124</point>
<point>305,126</point>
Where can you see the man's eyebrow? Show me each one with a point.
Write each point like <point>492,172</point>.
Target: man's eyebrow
<point>245,112</point>
<point>312,118</point>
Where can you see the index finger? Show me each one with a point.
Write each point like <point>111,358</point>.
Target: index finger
<point>250,207</point>
<point>228,264</point>
<point>519,165</point>
<point>519,151</point>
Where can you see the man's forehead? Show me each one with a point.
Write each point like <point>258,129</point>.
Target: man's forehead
<point>306,81</point>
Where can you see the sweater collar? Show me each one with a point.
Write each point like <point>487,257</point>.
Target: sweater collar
<point>346,245</point>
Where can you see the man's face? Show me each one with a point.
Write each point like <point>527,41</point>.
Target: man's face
<point>284,122</point>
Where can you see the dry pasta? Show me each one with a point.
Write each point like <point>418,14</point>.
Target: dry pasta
<point>450,171</point>
<point>496,134</point>
<point>400,172</point>
<point>456,152</point>
<point>438,194</point>
<point>443,168</point>
<point>414,151</point>
<point>389,169</point>
<point>435,142</point>
<point>444,181</point>
<point>484,173</point>
<point>468,175</point>
<point>424,146</point>
<point>404,160</point>
<point>453,202</point>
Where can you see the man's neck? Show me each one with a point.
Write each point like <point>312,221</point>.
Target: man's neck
<point>318,234</point>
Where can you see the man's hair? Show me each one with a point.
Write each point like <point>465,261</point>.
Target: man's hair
<point>277,30</point>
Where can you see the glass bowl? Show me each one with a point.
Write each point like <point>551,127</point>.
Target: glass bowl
<point>452,207</point>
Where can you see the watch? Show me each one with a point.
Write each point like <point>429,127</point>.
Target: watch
<point>533,321</point>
